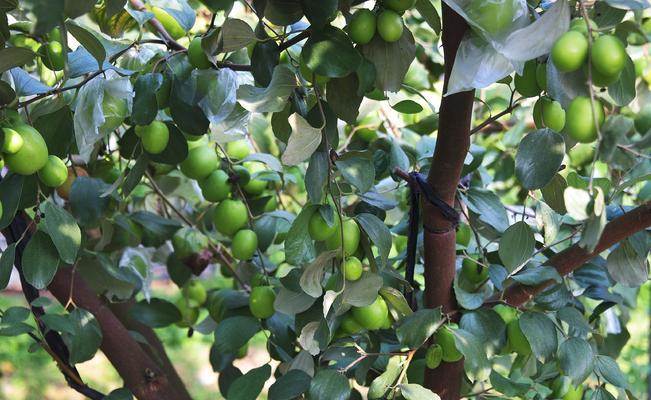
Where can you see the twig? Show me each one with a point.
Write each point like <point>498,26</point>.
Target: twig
<point>494,118</point>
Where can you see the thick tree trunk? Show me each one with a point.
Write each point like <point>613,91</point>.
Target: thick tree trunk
<point>453,140</point>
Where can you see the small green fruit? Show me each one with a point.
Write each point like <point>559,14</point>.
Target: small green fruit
<point>445,339</point>
<point>238,149</point>
<point>319,229</point>
<point>608,55</point>
<point>54,173</point>
<point>389,26</point>
<point>230,216</point>
<point>154,137</point>
<point>372,316</point>
<point>516,339</point>
<point>261,302</point>
<point>189,315</point>
<point>196,55</point>
<point>579,120</point>
<point>13,142</point>
<point>216,186</point>
<point>527,84</point>
<point>434,356</point>
<point>195,293</point>
<point>352,269</point>
<point>244,245</point>
<point>33,154</point>
<point>362,26</point>
<point>200,162</point>
<point>570,51</point>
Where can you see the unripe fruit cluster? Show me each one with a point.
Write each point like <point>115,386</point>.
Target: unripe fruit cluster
<point>387,22</point>
<point>25,152</point>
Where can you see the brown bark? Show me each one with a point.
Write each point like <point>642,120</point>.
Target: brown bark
<point>452,144</point>
<point>573,257</point>
<point>141,374</point>
<point>156,349</point>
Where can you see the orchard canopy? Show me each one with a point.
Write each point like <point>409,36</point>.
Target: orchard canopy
<point>407,199</point>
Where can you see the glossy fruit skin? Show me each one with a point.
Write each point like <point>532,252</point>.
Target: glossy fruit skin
<point>188,242</point>
<point>399,5</point>
<point>445,339</point>
<point>13,141</point>
<point>553,115</point>
<point>196,55</point>
<point>54,173</point>
<point>52,55</point>
<point>352,269</point>
<point>570,51</point>
<point>64,190</point>
<point>349,325</point>
<point>254,186</point>
<point>372,316</point>
<point>581,154</point>
<point>154,137</point>
<point>505,312</point>
<point>230,216</point>
<point>526,84</point>
<point>32,156</point>
<point>244,245</point>
<point>362,26</point>
<point>238,149</point>
<point>351,238</point>
<point>115,110</point>
<point>434,356</point>
<point>463,235</point>
<point>516,339</point>
<point>601,80</point>
<point>170,24</point>
<point>261,301</point>
<point>195,293</point>
<point>319,229</point>
<point>493,16</point>
<point>389,26</point>
<point>189,315</point>
<point>472,271</point>
<point>215,187</point>
<point>201,161</point>
<point>608,55</point>
<point>579,121</point>
<point>642,120</point>
<point>579,25</point>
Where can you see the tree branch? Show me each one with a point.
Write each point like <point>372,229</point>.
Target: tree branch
<point>452,143</point>
<point>574,256</point>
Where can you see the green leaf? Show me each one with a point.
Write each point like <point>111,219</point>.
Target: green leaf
<point>291,303</point>
<point>553,193</point>
<point>291,385</point>
<point>539,156</point>
<point>343,97</point>
<point>77,8</point>
<point>40,260</point>
<point>576,359</point>
<point>577,202</point>
<point>358,169</point>
<point>89,41</point>
<point>249,385</point>
<point>6,264</point>
<point>407,107</point>
<point>378,233</point>
<point>574,320</point>
<point>57,129</point>
<point>329,384</point>
<point>283,12</point>
<point>488,207</point>
<point>428,11</point>
<point>299,246</point>
<point>176,150</point>
<point>416,328</point>
<point>235,34</point>
<point>329,52</point>
<point>316,176</point>
<point>234,332</point>
<point>363,291</point>
<point>516,245</point>
<point>8,5</point>
<point>156,313</point>
<point>313,273</point>
<point>12,57</point>
<point>509,387</point>
<point>86,336</point>
<point>396,299</point>
<point>391,60</point>
<point>609,371</point>
<point>550,221</point>
<point>534,275</point>
<point>13,315</point>
<point>145,105</point>
<point>602,394</point>
<point>626,266</point>
<point>622,91</point>
<point>63,230</point>
<point>11,187</point>
<point>540,331</point>
<point>413,391</point>
<point>473,352</point>
<point>47,14</point>
<point>304,140</point>
<point>386,379</point>
<point>485,324</point>
<point>86,201</point>
<point>274,97</point>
